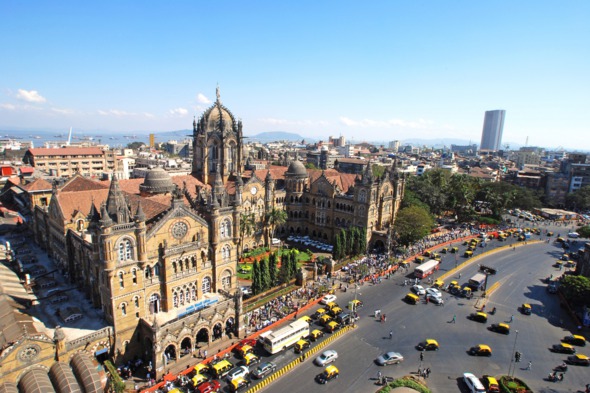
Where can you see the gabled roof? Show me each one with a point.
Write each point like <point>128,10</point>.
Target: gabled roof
<point>38,185</point>
<point>343,180</point>
<point>81,183</point>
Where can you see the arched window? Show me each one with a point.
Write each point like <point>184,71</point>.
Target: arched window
<point>187,295</point>
<point>226,279</point>
<point>123,309</point>
<point>181,297</point>
<point>125,251</point>
<point>134,276</point>
<point>154,303</point>
<point>157,269</point>
<point>148,272</point>
<point>175,299</point>
<point>362,196</point>
<point>121,280</point>
<point>206,285</point>
<point>193,294</point>
<point>225,228</point>
<point>136,301</point>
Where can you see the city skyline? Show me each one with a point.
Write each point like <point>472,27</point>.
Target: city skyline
<point>387,71</point>
<point>493,126</point>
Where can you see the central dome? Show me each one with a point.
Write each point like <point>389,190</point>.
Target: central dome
<point>157,181</point>
<point>297,168</point>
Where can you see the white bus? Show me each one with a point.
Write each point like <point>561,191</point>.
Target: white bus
<point>286,336</point>
<point>426,269</point>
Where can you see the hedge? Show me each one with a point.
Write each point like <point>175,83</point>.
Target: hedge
<point>404,382</point>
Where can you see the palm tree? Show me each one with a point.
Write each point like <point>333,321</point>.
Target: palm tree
<point>247,224</point>
<point>275,218</point>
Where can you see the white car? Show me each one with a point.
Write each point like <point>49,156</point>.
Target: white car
<point>328,298</point>
<point>473,383</point>
<point>433,292</point>
<point>326,357</point>
<point>435,299</point>
<point>241,371</point>
<point>418,290</point>
<point>389,358</point>
<point>275,241</point>
<point>573,235</point>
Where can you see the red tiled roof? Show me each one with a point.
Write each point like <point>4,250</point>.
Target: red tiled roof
<point>65,151</point>
<point>38,185</point>
<point>343,180</point>
<point>80,183</point>
<point>27,170</point>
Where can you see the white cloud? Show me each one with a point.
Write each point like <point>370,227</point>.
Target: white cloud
<point>8,107</point>
<point>202,99</point>
<point>62,111</point>
<point>391,123</point>
<point>178,112</point>
<point>149,115</point>
<point>115,112</point>
<point>30,96</point>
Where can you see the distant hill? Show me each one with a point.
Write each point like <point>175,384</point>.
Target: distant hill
<point>274,136</point>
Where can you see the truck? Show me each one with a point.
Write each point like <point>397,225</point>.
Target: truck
<point>477,281</point>
<point>426,269</point>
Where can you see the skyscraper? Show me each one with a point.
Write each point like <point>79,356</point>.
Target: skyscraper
<point>493,125</point>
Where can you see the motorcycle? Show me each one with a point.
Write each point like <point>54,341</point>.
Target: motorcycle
<point>561,367</point>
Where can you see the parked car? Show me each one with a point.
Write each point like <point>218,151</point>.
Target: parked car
<point>264,369</point>
<point>473,383</point>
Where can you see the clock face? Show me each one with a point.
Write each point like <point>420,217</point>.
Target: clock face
<point>179,230</point>
<point>253,190</point>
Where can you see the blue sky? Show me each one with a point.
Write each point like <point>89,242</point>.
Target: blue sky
<point>379,70</point>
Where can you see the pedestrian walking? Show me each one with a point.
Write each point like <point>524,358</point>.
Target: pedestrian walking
<point>454,318</point>
<point>379,375</point>
<point>529,366</point>
<point>390,334</point>
<point>512,318</point>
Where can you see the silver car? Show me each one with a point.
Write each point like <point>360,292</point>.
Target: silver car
<point>389,358</point>
<point>326,357</point>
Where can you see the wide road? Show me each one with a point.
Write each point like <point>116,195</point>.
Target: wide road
<point>519,273</point>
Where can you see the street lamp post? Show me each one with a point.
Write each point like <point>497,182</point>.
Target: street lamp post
<point>512,357</point>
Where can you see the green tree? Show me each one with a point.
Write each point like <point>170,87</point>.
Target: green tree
<point>378,170</point>
<point>411,199</point>
<point>412,224</point>
<point>247,225</point>
<point>584,231</point>
<point>135,145</point>
<point>310,165</point>
<point>274,219</point>
<point>256,287</point>
<point>344,243</point>
<point>576,289</point>
<point>579,199</point>
<point>264,274</point>
<point>354,241</point>
<point>363,240</point>
<point>272,269</point>
<point>337,248</point>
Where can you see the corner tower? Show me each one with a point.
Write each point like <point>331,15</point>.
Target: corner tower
<point>217,144</point>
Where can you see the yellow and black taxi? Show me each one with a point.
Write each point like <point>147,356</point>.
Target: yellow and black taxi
<point>560,240</point>
<point>453,284</point>
<point>579,360</point>
<point>404,264</point>
<point>478,317</point>
<point>316,334</point>
<point>454,250</point>
<point>335,311</point>
<point>491,384</point>
<point>550,233</point>
<point>331,305</point>
<point>244,350</point>
<point>419,259</point>
<point>250,359</point>
<point>428,345</point>
<point>329,373</point>
<point>575,339</point>
<point>436,256</point>
<point>198,379</point>
<point>239,383</point>
<point>467,292</point>
<point>468,253</point>
<point>301,346</point>
<point>221,368</point>
<point>332,326</point>
<point>565,257</point>
<point>355,304</point>
<point>503,328</point>
<point>428,254</point>
<point>412,298</point>
<point>526,309</point>
<point>466,243</point>
<point>563,348</point>
<point>319,313</point>
<point>438,283</point>
<point>324,319</point>
<point>306,319</point>
<point>481,350</point>
<point>202,368</point>
<point>444,250</point>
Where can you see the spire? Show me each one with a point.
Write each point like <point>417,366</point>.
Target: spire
<point>268,177</point>
<point>194,125</point>
<point>218,180</point>
<point>139,214</point>
<point>93,215</point>
<point>105,219</point>
<point>116,204</point>
<point>239,180</point>
<point>368,175</point>
<point>218,95</point>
